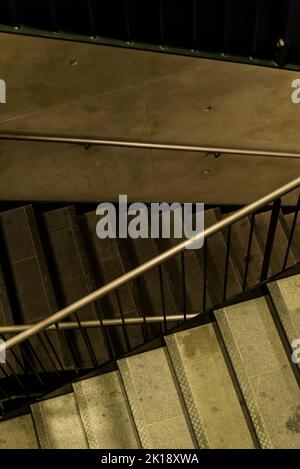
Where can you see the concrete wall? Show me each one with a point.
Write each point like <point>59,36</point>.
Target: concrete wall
<point>90,90</point>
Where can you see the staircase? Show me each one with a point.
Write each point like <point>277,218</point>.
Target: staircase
<point>226,384</point>
<point>229,383</point>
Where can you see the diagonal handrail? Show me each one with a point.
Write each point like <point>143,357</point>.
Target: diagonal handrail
<point>155,261</point>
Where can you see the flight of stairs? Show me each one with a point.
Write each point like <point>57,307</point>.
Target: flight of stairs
<point>226,384</point>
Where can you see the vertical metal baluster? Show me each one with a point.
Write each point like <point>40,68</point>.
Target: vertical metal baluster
<point>123,321</point>
<point>161,22</point>
<point>226,26</point>
<point>14,355</point>
<point>53,15</point>
<point>100,315</point>
<point>227,262</point>
<point>204,273</point>
<point>183,285</point>
<point>4,393</point>
<point>49,342</point>
<point>87,341</point>
<point>195,11</point>
<point>33,352</point>
<point>255,29</point>
<point>73,352</point>
<point>48,354</point>
<point>14,12</point>
<point>291,235</point>
<point>252,223</point>
<point>127,20</point>
<point>25,354</point>
<point>270,239</point>
<point>91,18</point>
<point>15,376</point>
<point>162,293</point>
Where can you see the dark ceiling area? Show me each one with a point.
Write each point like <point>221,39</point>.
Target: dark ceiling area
<point>261,32</point>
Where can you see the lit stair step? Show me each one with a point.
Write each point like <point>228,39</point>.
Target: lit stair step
<point>264,373</point>
<point>207,388</point>
<point>286,296</point>
<point>58,423</point>
<point>18,433</point>
<point>105,412</point>
<point>155,401</point>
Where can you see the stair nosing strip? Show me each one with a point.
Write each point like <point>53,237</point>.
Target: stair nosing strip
<point>186,391</point>
<point>242,377</point>
<point>82,406</point>
<point>133,400</point>
<point>40,426</point>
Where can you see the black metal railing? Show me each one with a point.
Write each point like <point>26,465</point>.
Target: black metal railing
<point>53,352</point>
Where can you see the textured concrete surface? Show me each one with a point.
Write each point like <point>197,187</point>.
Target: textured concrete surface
<point>280,243</point>
<point>286,296</point>
<point>207,388</point>
<point>264,372</point>
<point>132,94</point>
<point>18,433</point>
<point>58,423</point>
<point>155,401</point>
<point>72,276</point>
<point>105,413</point>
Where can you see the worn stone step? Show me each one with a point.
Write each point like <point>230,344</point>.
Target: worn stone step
<point>58,423</point>
<point>152,299</point>
<point>188,288</point>
<point>240,233</point>
<point>261,228</point>
<point>155,401</point>
<point>105,412</point>
<point>286,296</point>
<point>72,279</point>
<point>32,292</point>
<point>287,223</point>
<point>210,396</point>
<point>107,265</point>
<point>264,373</point>
<point>18,433</point>
<point>14,360</point>
<point>215,264</point>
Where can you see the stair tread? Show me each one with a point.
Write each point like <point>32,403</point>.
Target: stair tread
<point>155,400</point>
<point>240,232</point>
<point>107,265</point>
<point>69,266</point>
<point>104,412</point>
<point>30,274</point>
<point>263,371</point>
<point>287,221</point>
<point>18,433</point>
<point>286,296</point>
<point>58,423</point>
<point>207,388</point>
<point>280,243</point>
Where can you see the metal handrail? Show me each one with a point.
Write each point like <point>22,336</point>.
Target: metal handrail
<point>157,260</point>
<point>88,141</point>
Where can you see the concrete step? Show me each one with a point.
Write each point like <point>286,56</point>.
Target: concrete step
<point>261,228</point>
<point>105,412</point>
<point>32,292</point>
<point>14,360</point>
<point>72,279</point>
<point>240,232</point>
<point>216,257</point>
<point>190,293</point>
<point>208,390</point>
<point>135,252</point>
<point>264,373</point>
<point>155,401</point>
<point>107,265</point>
<point>58,423</point>
<point>287,223</point>
<point>286,297</point>
<point>18,433</point>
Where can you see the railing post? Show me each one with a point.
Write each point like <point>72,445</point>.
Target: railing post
<point>270,239</point>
